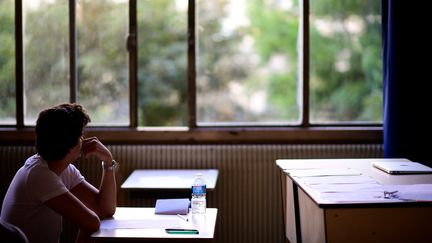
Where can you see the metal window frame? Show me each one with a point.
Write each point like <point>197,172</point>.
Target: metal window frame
<point>303,133</point>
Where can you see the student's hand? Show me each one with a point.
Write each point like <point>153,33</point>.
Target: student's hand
<point>92,146</point>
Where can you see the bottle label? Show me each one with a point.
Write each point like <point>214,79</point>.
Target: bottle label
<point>199,190</point>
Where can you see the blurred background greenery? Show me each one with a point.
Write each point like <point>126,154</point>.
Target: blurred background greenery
<point>249,61</point>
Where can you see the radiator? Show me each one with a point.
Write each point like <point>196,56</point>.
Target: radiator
<point>248,191</point>
<point>11,159</point>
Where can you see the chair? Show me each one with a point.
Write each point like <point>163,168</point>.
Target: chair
<point>10,233</point>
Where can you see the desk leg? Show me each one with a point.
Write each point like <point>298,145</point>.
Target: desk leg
<point>283,194</point>
<point>297,213</point>
<point>292,213</point>
<point>311,219</point>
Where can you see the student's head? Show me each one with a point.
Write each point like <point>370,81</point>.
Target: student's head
<point>59,129</point>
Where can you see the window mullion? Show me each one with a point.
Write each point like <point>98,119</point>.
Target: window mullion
<point>73,84</point>
<point>19,63</point>
<point>305,63</point>
<point>132,48</point>
<point>191,65</point>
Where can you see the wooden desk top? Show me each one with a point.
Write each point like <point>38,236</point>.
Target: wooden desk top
<point>363,166</point>
<point>169,179</point>
<point>142,223</point>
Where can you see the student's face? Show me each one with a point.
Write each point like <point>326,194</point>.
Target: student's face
<point>80,142</point>
<point>76,151</point>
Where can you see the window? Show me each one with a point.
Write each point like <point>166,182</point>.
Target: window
<point>102,60</point>
<point>162,62</point>
<point>345,64</point>
<point>45,56</point>
<point>243,64</point>
<point>248,63</point>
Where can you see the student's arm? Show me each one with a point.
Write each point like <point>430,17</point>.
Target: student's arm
<point>103,201</point>
<point>103,204</point>
<point>73,209</point>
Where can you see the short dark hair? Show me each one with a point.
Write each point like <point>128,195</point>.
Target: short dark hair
<point>58,129</point>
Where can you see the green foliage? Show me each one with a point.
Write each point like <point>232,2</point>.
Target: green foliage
<point>7,61</point>
<point>46,58</point>
<point>284,96</point>
<point>275,30</point>
<point>345,63</point>
<point>102,61</point>
<point>162,64</point>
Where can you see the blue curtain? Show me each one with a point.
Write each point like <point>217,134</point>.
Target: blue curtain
<point>407,78</point>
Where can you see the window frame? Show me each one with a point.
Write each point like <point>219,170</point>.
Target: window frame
<point>192,134</point>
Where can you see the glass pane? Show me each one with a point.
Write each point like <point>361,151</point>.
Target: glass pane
<point>162,62</point>
<point>247,62</point>
<point>46,56</point>
<point>7,63</point>
<point>102,60</point>
<point>345,61</point>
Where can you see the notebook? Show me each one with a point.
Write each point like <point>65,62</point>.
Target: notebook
<point>405,167</point>
<point>172,206</point>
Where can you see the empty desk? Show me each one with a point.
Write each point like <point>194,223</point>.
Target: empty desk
<point>144,186</point>
<point>356,216</point>
<point>177,179</point>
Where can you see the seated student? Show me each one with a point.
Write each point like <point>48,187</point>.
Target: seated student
<point>48,186</point>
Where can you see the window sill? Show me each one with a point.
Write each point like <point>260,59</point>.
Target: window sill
<point>183,135</point>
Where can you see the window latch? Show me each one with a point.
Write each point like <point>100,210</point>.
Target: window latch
<point>131,42</point>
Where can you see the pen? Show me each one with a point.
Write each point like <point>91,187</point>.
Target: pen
<point>182,231</point>
<point>183,217</point>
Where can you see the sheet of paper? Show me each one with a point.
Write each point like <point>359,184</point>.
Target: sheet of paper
<point>415,192</point>
<point>172,206</point>
<point>323,172</point>
<point>296,165</point>
<point>141,224</point>
<point>328,188</point>
<point>358,196</point>
<point>375,193</point>
<point>337,180</point>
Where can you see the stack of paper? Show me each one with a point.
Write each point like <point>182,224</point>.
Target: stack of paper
<point>323,172</point>
<point>172,206</point>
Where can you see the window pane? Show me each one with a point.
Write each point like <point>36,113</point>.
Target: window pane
<point>46,55</point>
<point>7,62</point>
<point>102,60</point>
<point>247,62</point>
<point>345,61</point>
<point>162,62</point>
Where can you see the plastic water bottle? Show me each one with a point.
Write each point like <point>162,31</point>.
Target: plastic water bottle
<point>199,189</point>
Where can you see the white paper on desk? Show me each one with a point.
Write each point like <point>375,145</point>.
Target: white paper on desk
<point>328,188</point>
<point>172,206</point>
<point>324,172</point>
<point>337,180</point>
<point>358,196</point>
<point>414,192</point>
<point>140,224</point>
<point>298,165</point>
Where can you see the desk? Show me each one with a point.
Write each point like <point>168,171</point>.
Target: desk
<point>168,179</point>
<point>309,217</point>
<point>143,187</point>
<point>142,224</point>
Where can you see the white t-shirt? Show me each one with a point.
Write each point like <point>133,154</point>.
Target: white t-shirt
<point>33,184</point>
